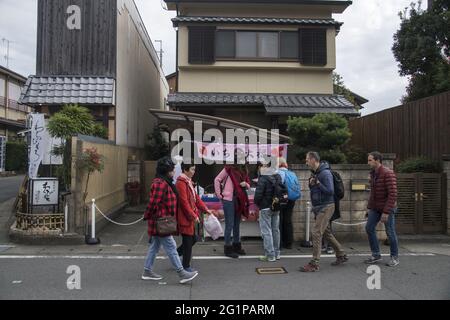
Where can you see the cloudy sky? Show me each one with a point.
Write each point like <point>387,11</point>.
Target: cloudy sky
<point>364,56</point>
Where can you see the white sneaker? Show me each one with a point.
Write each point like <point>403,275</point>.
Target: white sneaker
<point>150,275</point>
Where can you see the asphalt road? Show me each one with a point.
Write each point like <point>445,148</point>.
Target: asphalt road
<point>9,187</point>
<point>103,277</point>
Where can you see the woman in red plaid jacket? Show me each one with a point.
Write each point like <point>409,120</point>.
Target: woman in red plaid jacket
<point>163,202</point>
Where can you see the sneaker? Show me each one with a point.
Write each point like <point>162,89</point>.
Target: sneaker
<point>278,257</point>
<point>372,260</point>
<point>189,269</point>
<point>150,275</point>
<point>186,276</point>
<point>330,250</point>
<point>310,267</point>
<point>340,260</point>
<point>267,259</point>
<point>393,262</point>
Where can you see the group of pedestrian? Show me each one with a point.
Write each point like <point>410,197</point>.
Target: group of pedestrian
<point>277,190</point>
<point>177,203</point>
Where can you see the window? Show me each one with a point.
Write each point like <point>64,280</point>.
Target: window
<point>225,44</point>
<point>268,45</point>
<point>289,45</point>
<point>232,44</point>
<point>246,45</point>
<point>307,45</point>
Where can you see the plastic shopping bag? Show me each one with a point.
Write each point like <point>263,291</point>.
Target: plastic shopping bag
<point>213,226</point>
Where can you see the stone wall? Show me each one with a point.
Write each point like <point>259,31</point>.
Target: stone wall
<point>353,205</point>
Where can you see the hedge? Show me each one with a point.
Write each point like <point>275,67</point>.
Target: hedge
<point>16,156</point>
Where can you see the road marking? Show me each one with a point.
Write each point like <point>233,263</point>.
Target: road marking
<point>98,257</point>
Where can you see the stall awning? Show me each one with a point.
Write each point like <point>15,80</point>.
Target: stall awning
<point>274,104</point>
<point>179,119</point>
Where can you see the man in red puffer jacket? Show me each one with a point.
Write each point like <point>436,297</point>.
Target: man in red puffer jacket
<point>382,206</point>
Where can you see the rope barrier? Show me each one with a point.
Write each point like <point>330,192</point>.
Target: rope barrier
<point>350,224</point>
<point>118,223</point>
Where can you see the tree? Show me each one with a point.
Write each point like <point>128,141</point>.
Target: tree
<point>326,133</point>
<point>157,147</point>
<point>421,48</point>
<point>71,121</point>
<point>341,89</point>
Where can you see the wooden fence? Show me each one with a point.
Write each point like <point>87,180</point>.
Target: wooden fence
<point>419,128</point>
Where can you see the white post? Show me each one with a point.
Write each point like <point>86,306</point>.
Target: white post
<point>308,217</point>
<point>66,217</point>
<point>93,220</point>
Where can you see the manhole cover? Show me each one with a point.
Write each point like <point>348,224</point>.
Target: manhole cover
<point>265,271</point>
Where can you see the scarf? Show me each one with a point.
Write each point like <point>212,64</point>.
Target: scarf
<point>241,203</point>
<point>190,184</point>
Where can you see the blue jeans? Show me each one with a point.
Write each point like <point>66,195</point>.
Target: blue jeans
<point>170,247</point>
<point>372,221</point>
<point>232,223</point>
<point>269,223</point>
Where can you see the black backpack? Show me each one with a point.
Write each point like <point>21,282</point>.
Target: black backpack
<point>280,194</point>
<point>339,190</point>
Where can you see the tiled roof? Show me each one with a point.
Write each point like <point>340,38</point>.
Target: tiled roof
<point>248,20</point>
<point>275,104</point>
<point>68,90</point>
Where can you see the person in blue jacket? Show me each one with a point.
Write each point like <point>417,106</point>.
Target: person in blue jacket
<point>321,187</point>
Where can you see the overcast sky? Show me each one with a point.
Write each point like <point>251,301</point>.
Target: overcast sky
<point>364,56</point>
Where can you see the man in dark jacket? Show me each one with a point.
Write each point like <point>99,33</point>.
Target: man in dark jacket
<point>269,220</point>
<point>321,186</point>
<point>382,206</point>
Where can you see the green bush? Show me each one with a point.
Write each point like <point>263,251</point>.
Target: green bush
<point>70,121</point>
<point>420,164</point>
<point>355,154</point>
<point>325,133</point>
<point>16,156</point>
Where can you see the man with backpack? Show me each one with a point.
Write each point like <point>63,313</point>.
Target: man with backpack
<point>270,197</point>
<point>322,187</point>
<point>290,180</point>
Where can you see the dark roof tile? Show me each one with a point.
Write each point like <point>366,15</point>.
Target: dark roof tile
<point>293,104</point>
<point>64,89</point>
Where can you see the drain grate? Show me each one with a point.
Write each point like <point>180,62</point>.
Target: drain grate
<point>268,271</point>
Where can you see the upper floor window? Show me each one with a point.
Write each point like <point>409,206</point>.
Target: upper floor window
<point>232,44</point>
<point>307,45</point>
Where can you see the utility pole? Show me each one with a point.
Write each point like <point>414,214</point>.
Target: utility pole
<point>7,51</point>
<point>160,53</point>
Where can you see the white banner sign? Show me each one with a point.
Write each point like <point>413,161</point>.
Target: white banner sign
<point>49,157</point>
<point>38,143</point>
<point>45,191</point>
<point>253,152</point>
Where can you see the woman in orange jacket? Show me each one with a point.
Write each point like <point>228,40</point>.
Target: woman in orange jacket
<point>190,207</point>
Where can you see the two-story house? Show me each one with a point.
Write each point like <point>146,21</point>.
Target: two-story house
<point>257,61</point>
<point>13,115</point>
<point>98,54</point>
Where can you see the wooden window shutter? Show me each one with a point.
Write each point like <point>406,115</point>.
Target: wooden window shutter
<point>313,46</point>
<point>202,45</point>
